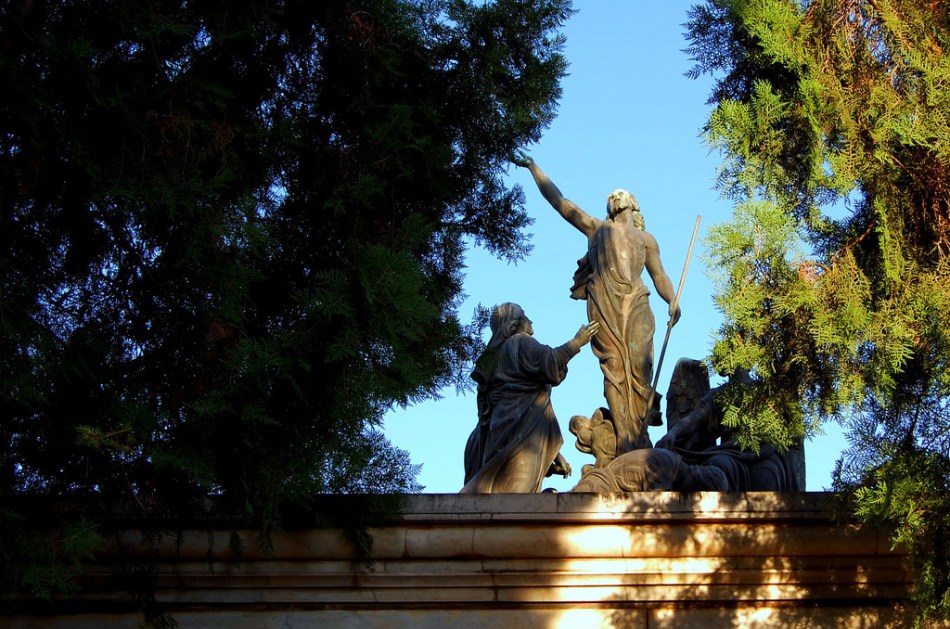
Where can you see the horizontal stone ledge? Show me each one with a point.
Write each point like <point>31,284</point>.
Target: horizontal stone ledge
<point>545,507</point>
<point>813,581</point>
<point>724,594</point>
<point>861,567</point>
<point>408,540</point>
<point>525,553</point>
<point>841,613</point>
<point>635,506</point>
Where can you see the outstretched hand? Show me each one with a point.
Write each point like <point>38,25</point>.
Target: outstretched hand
<point>586,333</point>
<point>520,158</point>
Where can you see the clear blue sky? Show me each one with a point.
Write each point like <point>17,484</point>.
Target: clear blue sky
<point>628,118</point>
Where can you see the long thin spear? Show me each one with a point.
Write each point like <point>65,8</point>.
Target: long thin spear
<point>669,324</point>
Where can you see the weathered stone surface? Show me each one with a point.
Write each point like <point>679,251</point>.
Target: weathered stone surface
<point>544,560</point>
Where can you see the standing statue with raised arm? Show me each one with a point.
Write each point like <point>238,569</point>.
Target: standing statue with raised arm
<point>608,277</point>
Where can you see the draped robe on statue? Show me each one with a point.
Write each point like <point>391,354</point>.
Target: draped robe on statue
<point>517,437</point>
<point>619,249</point>
<point>608,277</point>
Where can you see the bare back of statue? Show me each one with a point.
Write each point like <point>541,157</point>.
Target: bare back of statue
<point>618,299</point>
<point>617,252</point>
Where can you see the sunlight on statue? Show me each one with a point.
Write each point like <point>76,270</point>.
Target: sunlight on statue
<point>608,277</point>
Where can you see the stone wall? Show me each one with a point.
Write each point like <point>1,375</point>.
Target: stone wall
<point>548,560</point>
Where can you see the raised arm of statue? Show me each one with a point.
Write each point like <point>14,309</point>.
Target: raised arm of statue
<point>662,282</point>
<point>565,207</point>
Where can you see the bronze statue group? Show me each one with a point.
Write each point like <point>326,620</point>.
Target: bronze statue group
<point>517,441</point>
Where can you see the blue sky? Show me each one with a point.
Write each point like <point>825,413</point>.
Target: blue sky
<point>628,118</point>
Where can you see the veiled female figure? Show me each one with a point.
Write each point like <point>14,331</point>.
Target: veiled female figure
<point>517,440</point>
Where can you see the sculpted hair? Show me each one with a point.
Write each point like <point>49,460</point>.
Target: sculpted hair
<point>624,201</point>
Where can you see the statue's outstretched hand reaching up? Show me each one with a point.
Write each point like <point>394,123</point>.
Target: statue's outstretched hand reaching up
<point>522,159</point>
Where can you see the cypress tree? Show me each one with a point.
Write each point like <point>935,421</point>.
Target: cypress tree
<point>833,119</point>
<point>232,236</point>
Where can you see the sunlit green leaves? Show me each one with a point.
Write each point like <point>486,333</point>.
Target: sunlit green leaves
<point>820,105</point>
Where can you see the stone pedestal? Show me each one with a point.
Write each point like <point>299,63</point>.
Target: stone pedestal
<point>549,560</point>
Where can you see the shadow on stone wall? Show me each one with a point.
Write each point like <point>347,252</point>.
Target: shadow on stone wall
<point>522,560</point>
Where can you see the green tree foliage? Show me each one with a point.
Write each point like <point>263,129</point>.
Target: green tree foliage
<point>232,235</point>
<point>833,118</point>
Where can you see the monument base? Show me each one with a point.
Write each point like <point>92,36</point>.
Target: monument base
<point>547,560</point>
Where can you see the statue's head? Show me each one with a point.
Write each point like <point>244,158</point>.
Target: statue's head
<point>508,319</point>
<point>621,200</point>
